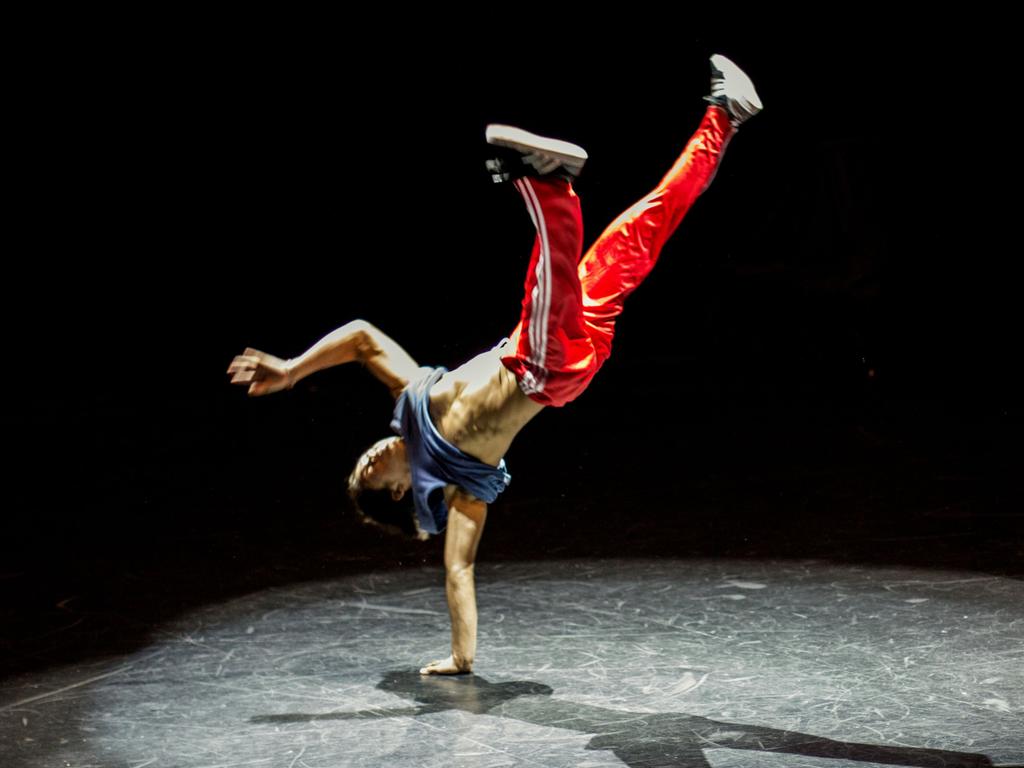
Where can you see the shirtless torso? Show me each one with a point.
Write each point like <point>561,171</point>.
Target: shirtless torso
<point>479,407</point>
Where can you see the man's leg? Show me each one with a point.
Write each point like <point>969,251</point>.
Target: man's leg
<point>629,248</point>
<point>552,346</point>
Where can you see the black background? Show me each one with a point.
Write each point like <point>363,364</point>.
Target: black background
<point>824,362</point>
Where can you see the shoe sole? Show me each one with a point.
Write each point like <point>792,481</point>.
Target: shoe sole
<point>740,82</point>
<point>570,155</point>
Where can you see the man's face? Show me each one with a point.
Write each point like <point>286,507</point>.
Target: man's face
<point>384,466</point>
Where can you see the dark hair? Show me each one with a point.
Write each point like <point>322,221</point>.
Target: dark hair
<point>377,507</point>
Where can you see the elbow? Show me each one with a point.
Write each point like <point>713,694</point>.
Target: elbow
<point>364,338</point>
<point>361,329</point>
<point>459,573</point>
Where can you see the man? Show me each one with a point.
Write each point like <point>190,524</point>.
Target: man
<point>456,426</point>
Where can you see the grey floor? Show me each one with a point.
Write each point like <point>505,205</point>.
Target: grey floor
<point>581,663</point>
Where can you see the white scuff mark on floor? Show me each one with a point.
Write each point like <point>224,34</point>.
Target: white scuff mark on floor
<point>301,753</point>
<point>59,691</point>
<point>997,705</point>
<point>389,608</point>
<point>688,682</point>
<point>742,584</point>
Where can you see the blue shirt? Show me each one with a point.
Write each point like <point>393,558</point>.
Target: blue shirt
<point>434,461</point>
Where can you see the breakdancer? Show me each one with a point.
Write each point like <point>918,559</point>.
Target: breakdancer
<point>454,427</point>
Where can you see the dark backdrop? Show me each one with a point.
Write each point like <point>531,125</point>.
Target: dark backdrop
<point>830,339</point>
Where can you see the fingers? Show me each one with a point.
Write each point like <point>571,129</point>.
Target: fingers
<point>250,358</point>
<point>247,369</point>
<point>243,362</point>
<point>243,369</point>
<point>255,370</point>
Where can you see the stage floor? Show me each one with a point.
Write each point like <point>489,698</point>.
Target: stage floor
<point>658,662</point>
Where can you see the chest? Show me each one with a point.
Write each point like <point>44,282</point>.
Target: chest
<point>473,408</point>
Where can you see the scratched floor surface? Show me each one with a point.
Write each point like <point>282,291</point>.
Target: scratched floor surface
<point>774,664</point>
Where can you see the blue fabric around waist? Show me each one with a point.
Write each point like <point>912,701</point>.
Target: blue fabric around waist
<point>434,461</point>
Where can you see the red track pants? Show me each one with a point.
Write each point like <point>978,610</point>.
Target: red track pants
<point>570,306</point>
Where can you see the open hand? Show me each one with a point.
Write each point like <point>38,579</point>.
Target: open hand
<point>261,372</point>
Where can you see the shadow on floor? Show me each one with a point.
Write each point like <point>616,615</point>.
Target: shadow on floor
<point>636,738</point>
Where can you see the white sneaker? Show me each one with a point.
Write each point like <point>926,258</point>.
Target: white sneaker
<point>733,90</point>
<point>542,155</point>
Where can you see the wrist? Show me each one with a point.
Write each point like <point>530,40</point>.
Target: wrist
<point>289,373</point>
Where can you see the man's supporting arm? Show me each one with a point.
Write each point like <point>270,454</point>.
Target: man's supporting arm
<point>357,341</point>
<point>466,517</point>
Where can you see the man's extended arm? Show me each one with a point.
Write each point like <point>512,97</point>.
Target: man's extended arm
<point>357,341</point>
<point>466,516</point>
